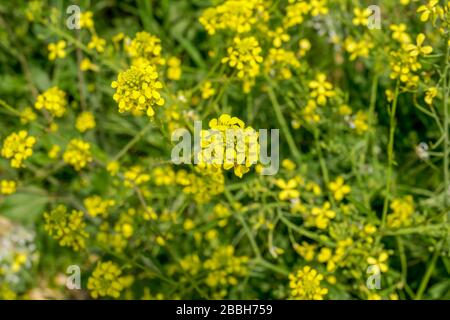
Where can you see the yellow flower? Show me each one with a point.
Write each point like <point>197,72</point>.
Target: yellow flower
<point>54,151</point>
<point>146,46</point>
<point>135,176</point>
<point>373,296</point>
<point>87,65</point>
<point>27,116</point>
<point>113,168</point>
<point>7,187</point>
<point>402,211</point>
<point>345,110</point>
<point>207,90</point>
<point>418,48</point>
<point>245,56</point>
<point>321,89</point>
<point>107,281</point>
<point>56,50</point>
<point>67,228</point>
<point>324,255</point>
<point>137,89</point>
<point>53,100</point>
<point>309,112</point>
<point>305,284</point>
<point>163,176</point>
<point>358,48</point>
<point>280,61</point>
<point>96,206</point>
<point>18,147</point>
<point>381,261</point>
<point>319,7</point>
<point>118,37</point>
<point>295,13</point>
<point>279,36</point>
<point>174,70</point>
<point>430,94</point>
<point>97,43</point>
<point>288,164</point>
<point>314,187</point>
<point>222,213</point>
<point>219,150</point>
<point>85,121</point>
<point>339,189</point>
<point>322,215</point>
<point>361,16</point>
<point>78,154</point>
<point>399,33</point>
<point>305,46</point>
<point>86,20</point>
<point>235,15</point>
<point>306,250</point>
<point>224,267</point>
<point>429,9</point>
<point>360,122</point>
<point>289,190</point>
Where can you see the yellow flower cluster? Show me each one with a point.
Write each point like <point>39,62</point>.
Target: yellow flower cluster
<point>146,46</point>
<point>67,228</point>
<point>360,122</point>
<point>207,90</point>
<point>229,144</point>
<point>7,187</point>
<point>53,100</point>
<point>174,70</point>
<point>85,121</point>
<point>27,116</point>
<point>320,216</point>
<point>306,284</point>
<point>281,61</point>
<point>78,154</point>
<point>138,89</point>
<point>402,211</point>
<point>298,9</point>
<point>117,235</point>
<point>107,280</point>
<point>96,206</point>
<point>404,62</point>
<point>18,147</point>
<point>224,267</point>
<point>203,184</point>
<point>321,89</point>
<point>234,15</point>
<point>245,56</point>
<point>221,213</point>
<point>358,49</point>
<point>135,176</point>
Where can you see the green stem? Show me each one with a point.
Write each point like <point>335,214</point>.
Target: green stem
<point>272,267</point>
<point>446,133</point>
<point>284,126</point>
<point>247,230</point>
<point>427,275</point>
<point>392,124</point>
<point>132,142</point>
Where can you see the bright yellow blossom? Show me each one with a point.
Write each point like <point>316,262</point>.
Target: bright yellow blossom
<point>18,147</point>
<point>78,154</point>
<point>305,284</point>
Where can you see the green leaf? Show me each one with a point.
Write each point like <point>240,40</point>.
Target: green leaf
<point>24,208</point>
